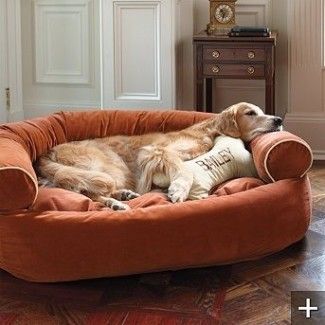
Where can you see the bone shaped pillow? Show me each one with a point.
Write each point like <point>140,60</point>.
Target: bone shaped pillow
<point>228,159</point>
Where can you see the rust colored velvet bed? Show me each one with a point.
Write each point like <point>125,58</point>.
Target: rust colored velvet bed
<point>49,235</point>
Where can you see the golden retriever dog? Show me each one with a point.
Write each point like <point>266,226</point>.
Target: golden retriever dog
<point>117,168</point>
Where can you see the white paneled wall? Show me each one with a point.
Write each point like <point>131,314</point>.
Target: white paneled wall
<point>3,61</point>
<point>77,54</point>
<point>137,50</point>
<point>254,12</point>
<point>123,53</point>
<point>61,55</point>
<point>62,41</point>
<point>139,53</point>
<point>14,59</point>
<point>184,54</point>
<point>248,12</point>
<point>306,91</point>
<point>81,54</point>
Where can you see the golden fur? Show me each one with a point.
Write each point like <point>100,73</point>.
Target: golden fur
<point>110,169</point>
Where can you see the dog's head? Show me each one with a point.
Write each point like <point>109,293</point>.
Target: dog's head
<point>247,121</point>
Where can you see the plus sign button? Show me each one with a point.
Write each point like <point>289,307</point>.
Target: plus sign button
<point>307,307</point>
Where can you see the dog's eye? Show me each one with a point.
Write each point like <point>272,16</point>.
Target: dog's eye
<point>251,113</point>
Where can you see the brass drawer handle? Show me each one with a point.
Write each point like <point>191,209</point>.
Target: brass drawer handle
<point>251,70</point>
<point>215,54</point>
<point>251,54</point>
<point>215,69</point>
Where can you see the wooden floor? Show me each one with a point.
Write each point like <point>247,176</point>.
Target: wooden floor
<point>254,293</point>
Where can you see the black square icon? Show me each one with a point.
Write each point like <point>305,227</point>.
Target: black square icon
<point>307,307</point>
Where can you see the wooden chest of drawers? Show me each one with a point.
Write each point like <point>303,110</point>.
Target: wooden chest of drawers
<point>223,57</point>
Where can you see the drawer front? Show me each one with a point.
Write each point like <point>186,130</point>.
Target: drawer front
<point>250,54</point>
<point>218,54</point>
<point>235,70</point>
<point>225,54</point>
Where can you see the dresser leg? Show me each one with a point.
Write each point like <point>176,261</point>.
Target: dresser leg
<point>209,95</point>
<point>269,98</point>
<point>199,95</point>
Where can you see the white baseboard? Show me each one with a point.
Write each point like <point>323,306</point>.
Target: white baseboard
<point>310,127</point>
<point>16,116</point>
<point>42,109</point>
<point>319,154</point>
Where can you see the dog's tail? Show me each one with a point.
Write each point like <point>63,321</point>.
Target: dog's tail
<point>158,166</point>
<point>73,178</point>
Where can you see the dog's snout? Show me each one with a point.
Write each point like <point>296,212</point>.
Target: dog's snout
<point>277,121</point>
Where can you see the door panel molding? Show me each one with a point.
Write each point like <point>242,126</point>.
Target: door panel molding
<point>14,61</point>
<point>56,60</point>
<point>3,61</point>
<point>138,56</point>
<point>133,57</point>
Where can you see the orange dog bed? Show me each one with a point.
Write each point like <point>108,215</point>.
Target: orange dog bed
<point>49,235</point>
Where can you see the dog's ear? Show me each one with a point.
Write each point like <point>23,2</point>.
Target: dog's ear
<point>228,122</point>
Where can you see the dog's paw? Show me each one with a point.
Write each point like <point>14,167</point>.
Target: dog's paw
<point>178,192</point>
<point>125,195</point>
<point>119,206</point>
<point>116,205</point>
<point>128,195</point>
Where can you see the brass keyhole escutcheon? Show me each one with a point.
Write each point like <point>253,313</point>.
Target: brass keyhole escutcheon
<point>251,70</point>
<point>251,54</point>
<point>215,54</point>
<point>215,69</point>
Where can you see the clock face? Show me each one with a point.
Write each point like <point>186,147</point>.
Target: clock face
<point>224,14</point>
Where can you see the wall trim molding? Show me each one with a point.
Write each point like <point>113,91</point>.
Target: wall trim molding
<point>163,94</point>
<point>14,58</point>
<point>308,126</point>
<point>3,61</point>
<point>44,11</point>
<point>16,116</point>
<point>306,117</point>
<point>119,92</point>
<point>250,7</point>
<point>42,109</point>
<point>319,154</point>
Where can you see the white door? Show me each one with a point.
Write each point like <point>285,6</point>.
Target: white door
<point>139,53</point>
<point>90,54</point>
<point>61,55</point>
<point>3,66</point>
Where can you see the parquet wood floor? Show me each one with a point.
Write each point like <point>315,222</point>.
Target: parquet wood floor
<point>256,292</point>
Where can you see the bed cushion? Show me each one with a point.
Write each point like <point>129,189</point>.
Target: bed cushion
<point>45,245</point>
<point>60,246</point>
<point>57,199</point>
<point>281,155</point>
<point>18,183</point>
<point>237,185</point>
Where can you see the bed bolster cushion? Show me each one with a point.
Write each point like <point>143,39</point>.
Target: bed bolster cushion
<point>281,155</point>
<point>18,182</point>
<point>237,185</point>
<point>63,236</point>
<point>65,245</point>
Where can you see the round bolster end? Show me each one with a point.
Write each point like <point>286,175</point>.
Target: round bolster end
<point>18,189</point>
<point>281,155</point>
